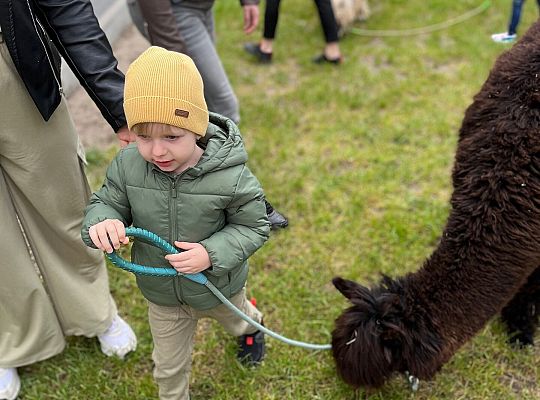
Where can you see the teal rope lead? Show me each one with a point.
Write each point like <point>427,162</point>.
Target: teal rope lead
<point>153,271</point>
<point>199,278</point>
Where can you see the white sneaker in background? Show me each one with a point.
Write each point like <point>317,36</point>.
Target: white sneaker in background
<point>119,339</point>
<point>10,384</point>
<point>503,37</point>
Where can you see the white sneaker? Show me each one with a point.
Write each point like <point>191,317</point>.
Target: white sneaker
<point>119,339</point>
<point>10,384</point>
<point>503,37</point>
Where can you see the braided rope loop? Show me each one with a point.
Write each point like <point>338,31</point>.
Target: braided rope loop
<point>152,271</point>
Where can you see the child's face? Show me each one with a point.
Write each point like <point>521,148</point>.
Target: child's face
<point>170,148</point>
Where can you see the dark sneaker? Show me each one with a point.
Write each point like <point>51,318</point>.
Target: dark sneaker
<point>521,339</point>
<point>251,349</point>
<point>277,221</point>
<point>255,50</point>
<point>322,59</point>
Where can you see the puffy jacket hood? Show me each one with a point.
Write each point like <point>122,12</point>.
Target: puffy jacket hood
<point>223,146</point>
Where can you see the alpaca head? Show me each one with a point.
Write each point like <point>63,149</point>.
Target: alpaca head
<point>376,337</point>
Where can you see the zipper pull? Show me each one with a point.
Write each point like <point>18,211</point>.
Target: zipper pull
<point>173,189</point>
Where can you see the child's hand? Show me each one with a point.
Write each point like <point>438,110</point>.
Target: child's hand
<point>193,259</point>
<point>107,232</point>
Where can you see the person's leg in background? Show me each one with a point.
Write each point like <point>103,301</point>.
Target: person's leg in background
<point>517,6</point>
<point>271,18</point>
<point>263,50</point>
<point>515,16</point>
<point>137,18</point>
<point>197,30</point>
<point>155,21</point>
<point>331,52</point>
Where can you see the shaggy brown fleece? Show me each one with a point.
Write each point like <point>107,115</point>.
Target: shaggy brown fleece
<point>488,258</point>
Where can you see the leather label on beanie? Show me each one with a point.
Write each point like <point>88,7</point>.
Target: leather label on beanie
<point>181,113</point>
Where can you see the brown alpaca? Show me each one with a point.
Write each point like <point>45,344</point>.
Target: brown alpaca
<point>488,258</point>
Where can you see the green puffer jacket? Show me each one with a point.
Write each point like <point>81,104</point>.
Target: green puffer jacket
<point>218,203</point>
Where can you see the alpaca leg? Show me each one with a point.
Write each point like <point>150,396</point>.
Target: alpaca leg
<point>521,314</point>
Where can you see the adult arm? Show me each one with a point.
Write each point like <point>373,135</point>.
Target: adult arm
<point>75,31</point>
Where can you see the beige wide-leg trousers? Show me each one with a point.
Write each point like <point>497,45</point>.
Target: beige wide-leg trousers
<point>42,183</point>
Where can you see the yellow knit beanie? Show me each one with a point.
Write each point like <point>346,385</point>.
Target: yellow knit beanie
<point>165,87</point>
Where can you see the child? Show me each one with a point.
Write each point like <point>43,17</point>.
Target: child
<point>185,180</point>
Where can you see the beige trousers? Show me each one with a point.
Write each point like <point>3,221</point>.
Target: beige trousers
<point>42,185</point>
<point>173,329</point>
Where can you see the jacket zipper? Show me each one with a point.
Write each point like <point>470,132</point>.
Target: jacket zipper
<point>172,232</point>
<point>60,88</point>
<point>172,207</point>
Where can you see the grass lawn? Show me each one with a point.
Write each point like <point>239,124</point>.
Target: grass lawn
<point>359,158</point>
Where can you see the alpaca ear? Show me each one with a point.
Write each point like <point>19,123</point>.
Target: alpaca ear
<point>347,288</point>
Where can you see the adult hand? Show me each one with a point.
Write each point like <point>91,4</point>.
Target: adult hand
<point>125,136</point>
<point>251,17</point>
<point>106,232</point>
<point>193,259</point>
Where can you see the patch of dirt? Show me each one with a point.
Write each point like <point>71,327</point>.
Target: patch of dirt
<point>94,131</point>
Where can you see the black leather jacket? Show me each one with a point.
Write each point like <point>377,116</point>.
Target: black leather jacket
<point>29,26</point>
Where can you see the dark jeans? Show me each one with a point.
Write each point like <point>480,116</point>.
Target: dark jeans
<point>517,5</point>
<point>326,15</point>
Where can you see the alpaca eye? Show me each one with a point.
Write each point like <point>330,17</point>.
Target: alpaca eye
<point>378,322</point>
